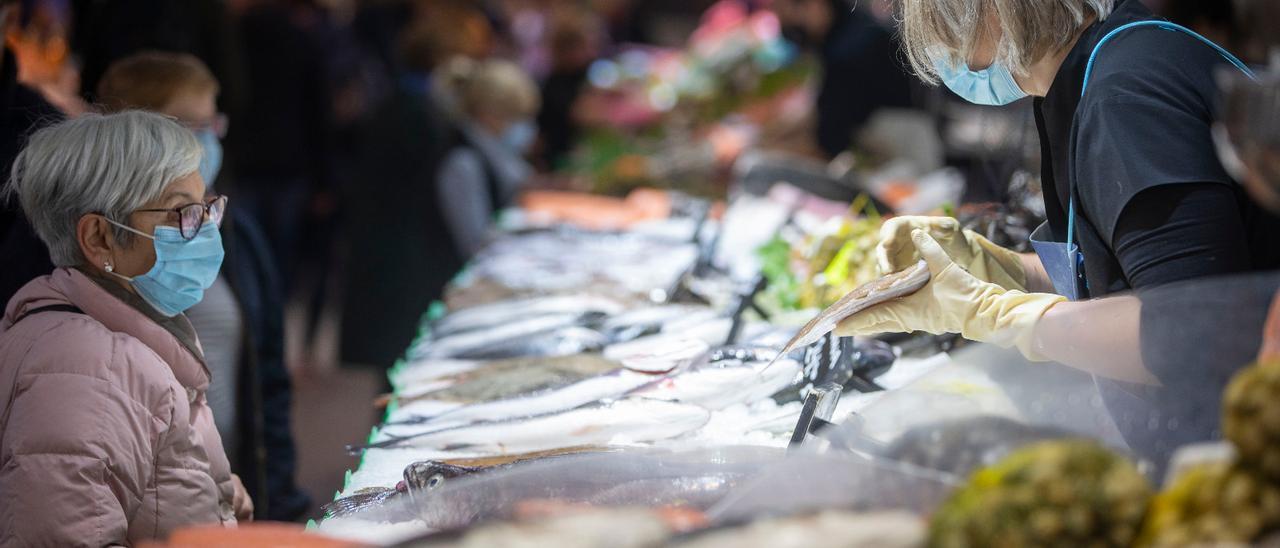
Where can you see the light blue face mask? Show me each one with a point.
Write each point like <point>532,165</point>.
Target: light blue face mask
<point>211,160</point>
<point>183,269</point>
<point>992,86</point>
<point>520,136</point>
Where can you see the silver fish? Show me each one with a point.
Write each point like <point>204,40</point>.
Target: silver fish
<point>647,479</point>
<point>501,313</point>
<point>589,390</point>
<point>633,420</point>
<point>552,335</point>
<point>393,504</point>
<point>511,378</point>
<point>887,288</point>
<point>652,320</point>
<point>718,384</point>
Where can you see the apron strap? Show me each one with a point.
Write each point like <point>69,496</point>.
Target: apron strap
<point>1088,71</point>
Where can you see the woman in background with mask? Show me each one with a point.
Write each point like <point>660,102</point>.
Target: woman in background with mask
<point>240,320</point>
<point>495,104</point>
<point>106,437</point>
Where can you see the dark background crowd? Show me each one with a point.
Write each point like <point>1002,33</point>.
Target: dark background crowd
<point>336,136</point>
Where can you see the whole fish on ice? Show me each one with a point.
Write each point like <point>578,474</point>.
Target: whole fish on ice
<point>631,420</point>
<point>510,378</point>
<point>551,335</point>
<point>588,390</point>
<point>501,313</point>
<point>644,479</point>
<point>726,378</point>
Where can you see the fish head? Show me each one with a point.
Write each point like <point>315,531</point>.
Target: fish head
<point>426,476</point>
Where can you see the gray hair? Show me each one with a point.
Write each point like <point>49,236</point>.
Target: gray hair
<point>108,164</point>
<point>1029,30</point>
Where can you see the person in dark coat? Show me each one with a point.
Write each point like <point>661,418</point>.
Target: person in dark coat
<point>400,254</point>
<point>105,32</point>
<point>860,69</point>
<point>574,45</point>
<point>22,111</point>
<point>240,319</point>
<point>283,151</point>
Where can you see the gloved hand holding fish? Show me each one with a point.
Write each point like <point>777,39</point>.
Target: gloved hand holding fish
<point>955,301</point>
<point>973,252</point>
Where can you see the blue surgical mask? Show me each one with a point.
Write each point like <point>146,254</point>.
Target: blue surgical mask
<point>211,160</point>
<point>520,136</point>
<point>183,269</point>
<point>992,86</point>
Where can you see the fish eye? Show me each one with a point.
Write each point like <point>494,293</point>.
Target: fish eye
<point>435,481</point>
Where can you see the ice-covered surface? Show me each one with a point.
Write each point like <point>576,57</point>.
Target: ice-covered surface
<point>379,533</point>
<point>564,260</point>
<point>765,423</point>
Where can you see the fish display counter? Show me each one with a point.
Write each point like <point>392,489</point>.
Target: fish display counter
<point>643,388</point>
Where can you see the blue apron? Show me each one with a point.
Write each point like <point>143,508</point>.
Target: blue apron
<point>1063,261</point>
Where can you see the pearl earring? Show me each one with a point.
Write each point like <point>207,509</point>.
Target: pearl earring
<point>108,267</point>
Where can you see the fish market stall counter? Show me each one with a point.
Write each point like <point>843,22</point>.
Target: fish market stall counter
<point>661,406</point>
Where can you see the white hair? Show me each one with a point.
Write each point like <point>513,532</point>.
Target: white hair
<point>107,164</point>
<point>1029,30</point>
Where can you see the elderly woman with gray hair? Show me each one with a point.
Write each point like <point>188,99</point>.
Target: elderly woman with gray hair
<point>106,436</point>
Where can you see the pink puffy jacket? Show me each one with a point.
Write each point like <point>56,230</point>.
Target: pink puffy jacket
<point>105,434</point>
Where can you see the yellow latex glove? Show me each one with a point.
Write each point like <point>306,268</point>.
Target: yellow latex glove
<point>982,258</point>
<point>955,301</point>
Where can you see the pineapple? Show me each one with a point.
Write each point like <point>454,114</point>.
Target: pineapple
<point>1251,417</point>
<point>1213,504</point>
<point>1056,493</point>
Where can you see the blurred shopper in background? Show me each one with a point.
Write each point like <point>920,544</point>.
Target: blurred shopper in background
<point>1213,20</point>
<point>104,32</point>
<point>239,321</point>
<point>399,255</point>
<point>283,143</point>
<point>860,69</point>
<point>574,43</point>
<point>485,167</point>
<point>107,438</point>
<point>41,42</point>
<point>23,109</point>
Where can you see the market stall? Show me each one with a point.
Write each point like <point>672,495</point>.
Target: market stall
<point>660,369</point>
<point>608,373</point>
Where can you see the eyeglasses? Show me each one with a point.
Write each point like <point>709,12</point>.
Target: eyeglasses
<point>218,125</point>
<point>191,216</point>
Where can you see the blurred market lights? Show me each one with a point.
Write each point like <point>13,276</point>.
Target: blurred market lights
<point>635,63</point>
<point>663,97</point>
<point>765,26</point>
<point>604,74</point>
